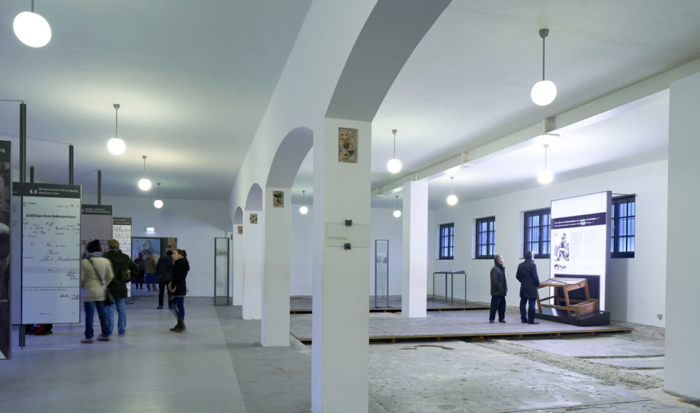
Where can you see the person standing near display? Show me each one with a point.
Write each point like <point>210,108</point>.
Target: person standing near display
<point>95,276</point>
<point>164,274</point>
<point>499,290</point>
<point>529,283</point>
<point>178,287</point>
<point>150,267</point>
<point>121,263</point>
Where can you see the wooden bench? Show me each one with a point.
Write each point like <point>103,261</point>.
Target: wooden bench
<point>578,307</point>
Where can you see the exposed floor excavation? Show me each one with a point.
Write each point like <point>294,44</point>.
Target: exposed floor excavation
<point>218,365</point>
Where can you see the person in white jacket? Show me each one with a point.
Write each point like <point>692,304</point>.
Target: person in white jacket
<point>95,277</point>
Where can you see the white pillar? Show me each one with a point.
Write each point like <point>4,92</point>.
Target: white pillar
<point>340,351</point>
<point>682,283</point>
<point>277,248</point>
<point>238,258</point>
<point>415,249</point>
<point>253,266</point>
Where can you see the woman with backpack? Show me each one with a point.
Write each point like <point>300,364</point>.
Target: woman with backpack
<point>95,277</point>
<point>178,287</point>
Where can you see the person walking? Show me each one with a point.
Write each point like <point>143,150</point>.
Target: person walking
<point>529,283</point>
<point>124,271</point>
<point>499,290</point>
<point>164,274</point>
<point>150,268</point>
<point>140,261</point>
<point>178,287</point>
<point>96,275</point>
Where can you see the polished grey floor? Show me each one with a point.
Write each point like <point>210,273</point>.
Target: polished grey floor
<point>303,304</point>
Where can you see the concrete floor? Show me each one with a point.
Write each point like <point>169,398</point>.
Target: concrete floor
<point>219,365</point>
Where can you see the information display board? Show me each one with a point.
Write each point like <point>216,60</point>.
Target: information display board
<point>580,235</point>
<point>50,253</point>
<point>96,223</point>
<point>121,231</point>
<point>5,250</point>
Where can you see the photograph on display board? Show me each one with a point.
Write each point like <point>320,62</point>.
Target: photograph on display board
<point>5,193</point>
<point>561,250</point>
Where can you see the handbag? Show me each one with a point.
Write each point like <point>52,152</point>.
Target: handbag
<point>109,298</point>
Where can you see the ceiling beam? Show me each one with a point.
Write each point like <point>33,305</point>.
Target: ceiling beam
<point>592,112</point>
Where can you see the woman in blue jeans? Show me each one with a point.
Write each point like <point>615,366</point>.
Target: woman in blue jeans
<point>178,287</point>
<point>96,275</point>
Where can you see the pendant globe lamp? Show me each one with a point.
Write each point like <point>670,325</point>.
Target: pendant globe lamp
<point>158,203</point>
<point>303,209</point>
<point>545,91</point>
<point>452,198</point>
<point>545,176</point>
<point>116,146</point>
<point>397,211</point>
<point>144,183</point>
<point>394,165</point>
<point>32,29</point>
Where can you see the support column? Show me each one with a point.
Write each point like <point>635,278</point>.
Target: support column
<point>253,266</point>
<point>238,259</point>
<point>277,247</point>
<point>415,249</point>
<point>682,328</point>
<point>340,359</point>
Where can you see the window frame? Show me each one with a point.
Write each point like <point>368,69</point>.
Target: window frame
<point>615,227</point>
<point>543,230</point>
<point>490,238</point>
<point>444,244</point>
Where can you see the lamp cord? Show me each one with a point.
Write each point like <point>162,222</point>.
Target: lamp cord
<point>32,6</point>
<point>543,52</point>
<point>116,122</point>
<point>453,185</point>
<point>394,143</point>
<point>545,156</point>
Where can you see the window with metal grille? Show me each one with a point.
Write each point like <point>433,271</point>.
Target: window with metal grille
<point>622,229</point>
<point>485,237</point>
<point>447,241</point>
<point>537,232</point>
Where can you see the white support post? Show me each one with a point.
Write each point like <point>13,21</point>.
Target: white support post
<point>415,249</point>
<point>253,266</point>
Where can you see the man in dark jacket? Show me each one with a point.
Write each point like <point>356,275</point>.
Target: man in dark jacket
<point>164,274</point>
<point>499,290</point>
<point>529,283</point>
<point>124,271</point>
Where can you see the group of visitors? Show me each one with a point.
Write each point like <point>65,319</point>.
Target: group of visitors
<point>104,280</point>
<point>529,283</point>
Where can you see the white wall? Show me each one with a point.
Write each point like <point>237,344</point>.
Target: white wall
<point>638,285</point>
<point>383,226</point>
<point>194,223</point>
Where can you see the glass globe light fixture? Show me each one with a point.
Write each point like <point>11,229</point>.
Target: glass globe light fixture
<point>32,29</point>
<point>545,91</point>
<point>116,146</point>
<point>303,209</point>
<point>144,183</point>
<point>452,198</point>
<point>158,203</point>
<point>545,176</point>
<point>394,165</point>
<point>397,211</point>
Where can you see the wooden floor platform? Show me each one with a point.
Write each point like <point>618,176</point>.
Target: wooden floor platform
<point>454,324</point>
<point>304,306</point>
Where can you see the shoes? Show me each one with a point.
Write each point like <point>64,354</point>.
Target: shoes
<point>160,307</point>
<point>86,341</point>
<point>502,321</point>
<point>180,326</point>
<point>122,334</point>
<point>149,287</point>
<point>491,321</point>
<point>529,322</point>
<point>523,321</point>
<point>102,338</point>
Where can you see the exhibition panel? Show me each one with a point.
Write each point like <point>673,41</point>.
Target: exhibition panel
<point>50,253</point>
<point>121,231</point>
<point>5,250</point>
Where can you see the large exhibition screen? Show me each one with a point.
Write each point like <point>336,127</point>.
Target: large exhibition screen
<point>580,235</point>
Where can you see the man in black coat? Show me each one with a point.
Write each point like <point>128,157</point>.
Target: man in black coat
<point>499,289</point>
<point>529,283</point>
<point>164,274</point>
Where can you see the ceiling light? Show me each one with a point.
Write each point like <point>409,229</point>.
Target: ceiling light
<point>545,91</point>
<point>545,176</point>
<point>158,203</point>
<point>32,29</point>
<point>116,146</point>
<point>452,198</point>
<point>303,210</point>
<point>397,211</point>
<point>144,183</point>
<point>394,165</point>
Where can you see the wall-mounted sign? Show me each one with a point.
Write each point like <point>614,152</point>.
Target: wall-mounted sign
<point>5,249</point>
<point>240,230</point>
<point>347,145</point>
<point>277,199</point>
<point>253,218</point>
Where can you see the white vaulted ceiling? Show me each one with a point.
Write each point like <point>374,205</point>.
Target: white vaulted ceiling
<point>193,80</point>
